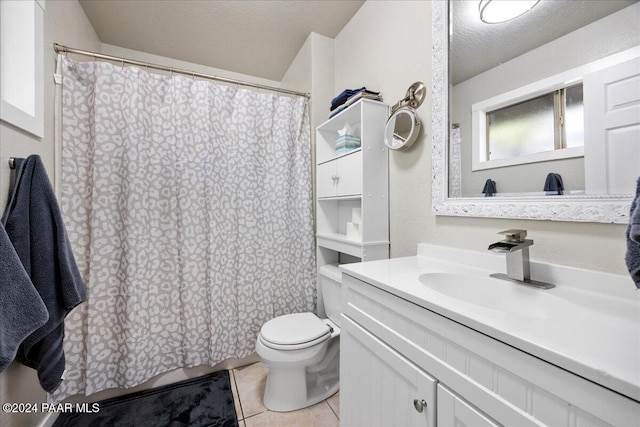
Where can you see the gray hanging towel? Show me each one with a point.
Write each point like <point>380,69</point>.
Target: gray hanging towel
<point>489,188</point>
<point>553,184</point>
<point>633,239</point>
<point>22,311</point>
<point>33,222</point>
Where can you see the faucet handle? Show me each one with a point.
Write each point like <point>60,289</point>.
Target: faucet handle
<point>514,236</point>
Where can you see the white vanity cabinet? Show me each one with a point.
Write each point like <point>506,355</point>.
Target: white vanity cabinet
<point>389,345</point>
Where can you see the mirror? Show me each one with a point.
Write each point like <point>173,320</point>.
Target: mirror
<point>529,70</point>
<point>402,129</point>
<point>403,126</point>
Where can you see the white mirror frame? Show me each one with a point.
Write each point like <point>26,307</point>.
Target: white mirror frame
<point>610,209</point>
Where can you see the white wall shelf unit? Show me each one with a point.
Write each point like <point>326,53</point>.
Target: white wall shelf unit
<point>352,188</point>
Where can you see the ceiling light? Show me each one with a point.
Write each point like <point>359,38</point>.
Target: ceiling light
<point>496,11</point>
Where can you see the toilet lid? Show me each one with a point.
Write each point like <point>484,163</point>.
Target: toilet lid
<point>292,329</point>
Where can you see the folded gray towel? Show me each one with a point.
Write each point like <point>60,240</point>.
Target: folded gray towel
<point>489,188</point>
<point>553,184</point>
<point>634,217</point>
<point>21,309</point>
<point>633,239</point>
<point>33,222</point>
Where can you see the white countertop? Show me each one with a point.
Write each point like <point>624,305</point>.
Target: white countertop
<point>596,336</point>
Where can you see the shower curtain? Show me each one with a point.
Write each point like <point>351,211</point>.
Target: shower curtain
<point>189,207</point>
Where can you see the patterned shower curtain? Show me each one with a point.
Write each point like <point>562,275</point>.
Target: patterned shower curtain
<point>189,207</point>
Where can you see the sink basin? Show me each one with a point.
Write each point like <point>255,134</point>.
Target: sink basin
<point>501,295</point>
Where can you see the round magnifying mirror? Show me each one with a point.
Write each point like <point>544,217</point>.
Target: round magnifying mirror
<point>402,129</point>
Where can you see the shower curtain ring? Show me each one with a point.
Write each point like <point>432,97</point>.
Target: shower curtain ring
<point>193,75</point>
<point>122,62</point>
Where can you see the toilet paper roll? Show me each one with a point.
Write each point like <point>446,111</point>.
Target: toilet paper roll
<point>356,215</point>
<point>353,231</point>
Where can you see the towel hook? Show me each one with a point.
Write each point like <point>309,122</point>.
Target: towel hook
<point>12,162</point>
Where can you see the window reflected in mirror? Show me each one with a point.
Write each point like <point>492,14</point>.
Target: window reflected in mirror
<point>553,121</point>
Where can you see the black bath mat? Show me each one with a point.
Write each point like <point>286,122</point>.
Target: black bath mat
<point>198,402</point>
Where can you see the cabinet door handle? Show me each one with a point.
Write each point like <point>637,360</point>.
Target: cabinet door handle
<point>419,404</point>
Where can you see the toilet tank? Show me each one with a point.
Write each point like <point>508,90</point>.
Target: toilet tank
<point>331,287</point>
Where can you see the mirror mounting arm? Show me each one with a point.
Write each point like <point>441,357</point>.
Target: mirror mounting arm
<point>414,97</point>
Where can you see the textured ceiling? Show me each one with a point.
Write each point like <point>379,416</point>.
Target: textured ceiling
<point>258,38</point>
<point>477,47</point>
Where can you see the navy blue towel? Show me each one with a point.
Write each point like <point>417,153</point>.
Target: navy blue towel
<point>489,189</point>
<point>633,239</point>
<point>33,222</point>
<point>22,311</point>
<point>553,184</point>
<point>346,94</point>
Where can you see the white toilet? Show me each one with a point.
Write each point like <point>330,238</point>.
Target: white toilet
<point>302,353</point>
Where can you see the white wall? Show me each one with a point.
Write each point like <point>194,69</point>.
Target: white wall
<point>614,33</point>
<point>387,46</point>
<point>312,71</point>
<point>65,23</point>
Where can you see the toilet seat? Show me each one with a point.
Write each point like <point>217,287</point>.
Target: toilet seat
<point>294,331</point>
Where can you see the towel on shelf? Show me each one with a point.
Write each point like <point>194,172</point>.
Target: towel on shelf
<point>363,95</point>
<point>337,111</point>
<point>489,188</point>
<point>33,222</point>
<point>348,93</point>
<point>553,184</point>
<point>22,311</point>
<point>632,257</point>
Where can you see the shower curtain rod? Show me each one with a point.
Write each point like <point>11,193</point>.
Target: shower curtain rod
<point>66,49</point>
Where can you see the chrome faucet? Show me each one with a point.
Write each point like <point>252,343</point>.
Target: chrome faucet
<point>516,248</point>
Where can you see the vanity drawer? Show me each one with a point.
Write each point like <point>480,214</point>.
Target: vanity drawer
<point>453,411</point>
<point>510,386</point>
<point>375,377</point>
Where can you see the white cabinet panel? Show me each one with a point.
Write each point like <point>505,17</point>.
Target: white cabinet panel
<point>325,179</point>
<point>379,386</point>
<point>340,177</point>
<point>349,174</point>
<point>455,412</point>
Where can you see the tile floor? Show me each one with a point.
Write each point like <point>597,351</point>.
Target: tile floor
<point>248,385</point>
